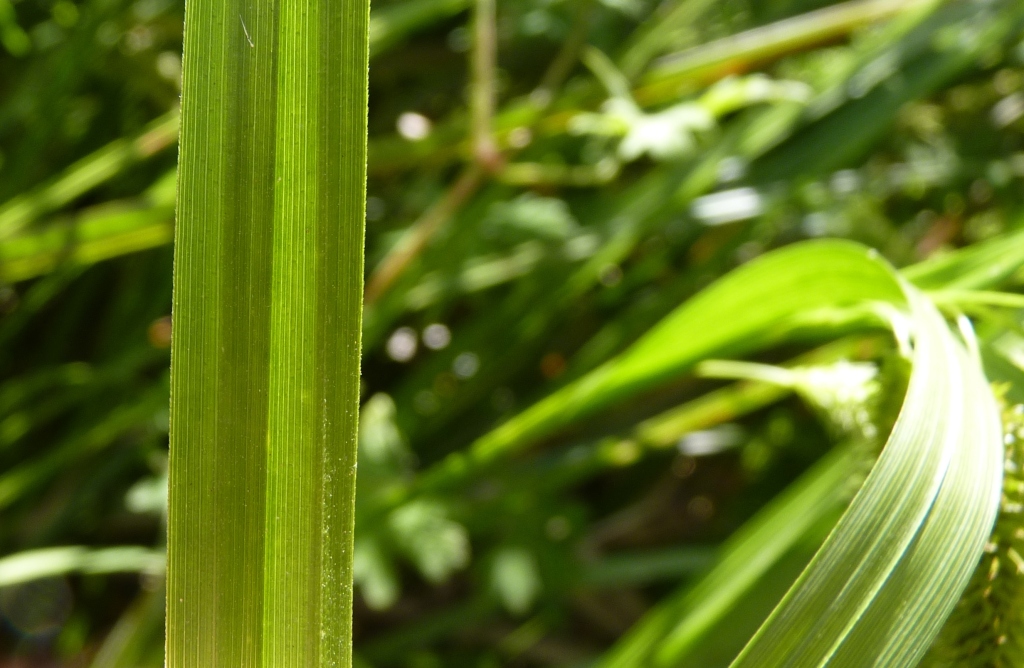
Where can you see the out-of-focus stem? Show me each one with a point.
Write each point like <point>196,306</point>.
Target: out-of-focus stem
<point>560,68</point>
<point>419,234</point>
<point>654,36</point>
<point>746,50</point>
<point>481,102</point>
<point>487,157</point>
<point>536,173</point>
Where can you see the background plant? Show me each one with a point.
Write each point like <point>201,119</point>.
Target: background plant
<point>526,223</point>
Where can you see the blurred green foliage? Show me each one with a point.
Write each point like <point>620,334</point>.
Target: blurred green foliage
<point>644,149</point>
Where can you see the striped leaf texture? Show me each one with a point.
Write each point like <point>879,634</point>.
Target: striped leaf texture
<point>265,354</point>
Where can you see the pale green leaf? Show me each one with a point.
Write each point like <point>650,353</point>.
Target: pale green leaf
<point>677,624</point>
<point>894,566</point>
<point>55,561</point>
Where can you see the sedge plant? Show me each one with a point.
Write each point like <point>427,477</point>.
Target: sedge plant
<point>615,409</point>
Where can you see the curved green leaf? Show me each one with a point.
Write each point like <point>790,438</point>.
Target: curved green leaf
<point>894,566</point>
<point>896,563</point>
<point>728,318</point>
<point>679,624</point>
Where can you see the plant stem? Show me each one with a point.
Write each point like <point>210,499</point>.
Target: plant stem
<point>658,33</point>
<point>420,233</point>
<point>566,58</point>
<point>481,104</point>
<point>671,74</point>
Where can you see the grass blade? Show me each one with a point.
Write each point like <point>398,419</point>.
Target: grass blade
<point>55,561</point>
<point>100,233</point>
<point>673,629</point>
<point>740,306</point>
<point>265,355</point>
<point>879,586</point>
<point>87,173</point>
<point>895,565</point>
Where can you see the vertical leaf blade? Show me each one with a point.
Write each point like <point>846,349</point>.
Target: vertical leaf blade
<point>265,357</point>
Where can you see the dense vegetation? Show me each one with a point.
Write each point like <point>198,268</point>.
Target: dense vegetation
<point>548,181</point>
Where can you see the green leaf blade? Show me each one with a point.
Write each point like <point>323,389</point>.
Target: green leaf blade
<point>894,566</point>
<point>725,319</point>
<point>265,355</point>
<point>884,554</point>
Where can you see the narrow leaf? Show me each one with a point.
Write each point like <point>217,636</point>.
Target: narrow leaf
<point>895,565</point>
<point>55,561</point>
<point>726,319</point>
